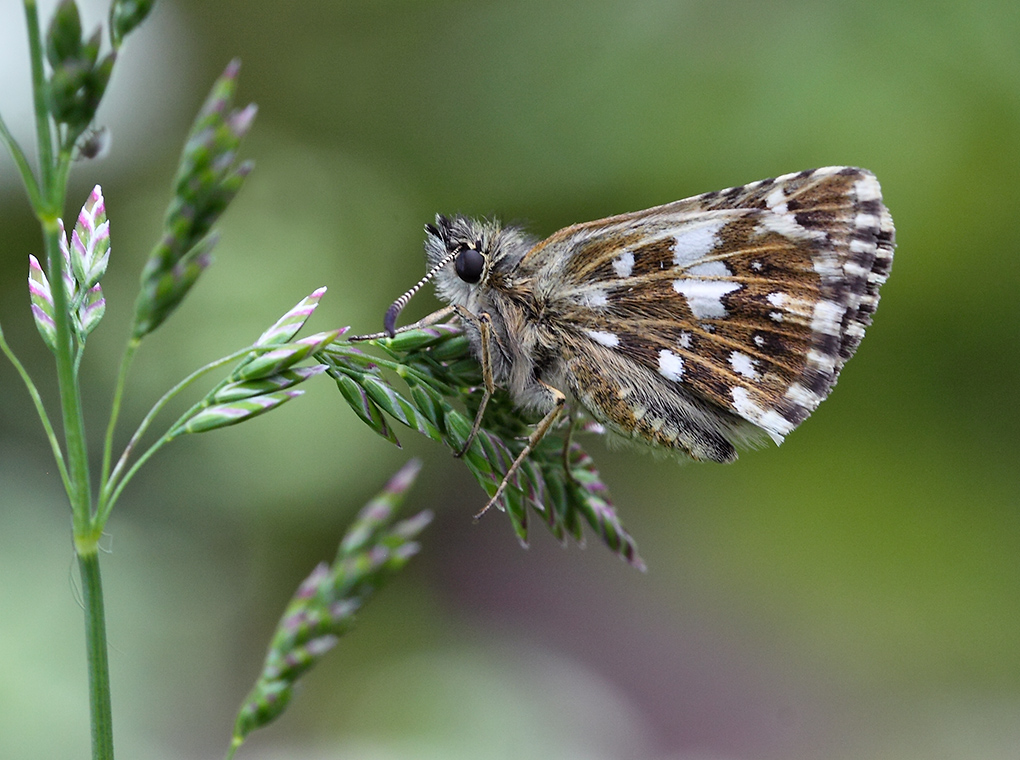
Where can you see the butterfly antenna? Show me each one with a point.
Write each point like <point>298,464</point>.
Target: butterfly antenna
<point>390,320</point>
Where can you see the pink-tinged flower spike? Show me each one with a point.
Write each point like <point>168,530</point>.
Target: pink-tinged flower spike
<point>278,382</point>
<point>287,326</point>
<point>90,241</point>
<point>84,264</point>
<point>323,607</point>
<point>70,284</point>
<point>42,303</point>
<point>207,180</point>
<point>91,311</point>
<point>287,355</point>
<point>224,415</point>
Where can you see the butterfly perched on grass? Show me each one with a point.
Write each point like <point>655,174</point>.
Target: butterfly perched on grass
<point>692,327</point>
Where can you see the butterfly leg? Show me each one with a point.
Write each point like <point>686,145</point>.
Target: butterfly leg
<point>567,440</point>
<point>484,323</point>
<point>537,435</point>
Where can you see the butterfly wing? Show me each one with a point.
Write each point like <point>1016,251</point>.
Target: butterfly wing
<point>744,302</point>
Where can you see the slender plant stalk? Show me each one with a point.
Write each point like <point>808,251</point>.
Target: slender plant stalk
<point>54,167</point>
<point>98,659</point>
<point>42,122</point>
<point>118,395</point>
<point>70,397</point>
<point>54,188</point>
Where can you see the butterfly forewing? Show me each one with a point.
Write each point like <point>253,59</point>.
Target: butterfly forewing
<point>749,299</point>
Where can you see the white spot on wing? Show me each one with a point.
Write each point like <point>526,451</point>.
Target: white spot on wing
<point>782,222</point>
<point>693,244</point>
<point>866,221</point>
<point>710,269</point>
<point>826,317</point>
<point>776,200</point>
<point>704,296</point>
<point>743,365</point>
<point>623,265</point>
<point>769,420</point>
<point>607,339</point>
<point>826,265</point>
<point>823,362</point>
<point>594,299</point>
<point>786,224</point>
<point>867,189</point>
<point>671,366</point>
<point>853,269</point>
<point>684,340</point>
<point>802,396</point>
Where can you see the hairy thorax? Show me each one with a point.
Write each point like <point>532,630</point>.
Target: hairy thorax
<point>526,352</point>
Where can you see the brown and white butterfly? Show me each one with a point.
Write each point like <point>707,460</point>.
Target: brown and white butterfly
<point>692,326</point>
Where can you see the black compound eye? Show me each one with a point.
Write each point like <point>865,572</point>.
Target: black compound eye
<point>469,265</point>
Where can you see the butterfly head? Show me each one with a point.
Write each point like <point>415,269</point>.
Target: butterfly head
<point>464,256</point>
<point>463,243</point>
<point>481,257</point>
<point>448,242</point>
<point>482,251</point>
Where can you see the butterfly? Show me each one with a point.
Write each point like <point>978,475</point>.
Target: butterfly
<point>692,327</point>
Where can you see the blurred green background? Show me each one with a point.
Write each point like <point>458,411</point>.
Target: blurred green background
<point>855,594</point>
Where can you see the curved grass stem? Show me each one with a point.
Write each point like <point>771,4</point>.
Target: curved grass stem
<point>33,392</point>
